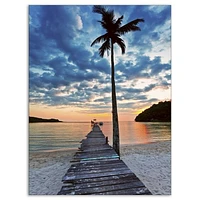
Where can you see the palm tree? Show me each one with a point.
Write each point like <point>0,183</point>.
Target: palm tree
<point>113,32</point>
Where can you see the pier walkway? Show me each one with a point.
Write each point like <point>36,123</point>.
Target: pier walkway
<point>98,170</point>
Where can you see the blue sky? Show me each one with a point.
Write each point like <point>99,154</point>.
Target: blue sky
<point>66,73</point>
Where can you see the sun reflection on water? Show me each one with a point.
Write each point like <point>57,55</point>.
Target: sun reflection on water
<point>50,136</point>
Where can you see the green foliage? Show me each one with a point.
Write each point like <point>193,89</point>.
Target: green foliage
<point>36,119</point>
<point>160,112</point>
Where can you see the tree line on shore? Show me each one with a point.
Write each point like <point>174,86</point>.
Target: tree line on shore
<point>160,112</point>
<point>37,119</point>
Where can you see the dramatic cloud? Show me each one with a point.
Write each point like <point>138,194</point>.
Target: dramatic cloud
<point>65,70</point>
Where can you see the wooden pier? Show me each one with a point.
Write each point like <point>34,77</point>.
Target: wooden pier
<point>98,170</point>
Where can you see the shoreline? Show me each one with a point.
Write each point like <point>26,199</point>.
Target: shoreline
<point>150,162</point>
<point>53,150</point>
<point>76,148</point>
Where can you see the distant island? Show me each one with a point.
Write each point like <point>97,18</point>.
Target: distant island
<point>36,120</point>
<point>160,112</point>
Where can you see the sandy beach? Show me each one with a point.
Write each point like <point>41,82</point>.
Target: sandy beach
<point>152,165</point>
<point>150,162</point>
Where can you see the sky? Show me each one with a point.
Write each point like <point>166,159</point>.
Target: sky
<point>68,79</point>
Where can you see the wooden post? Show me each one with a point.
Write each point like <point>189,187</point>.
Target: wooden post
<point>106,140</point>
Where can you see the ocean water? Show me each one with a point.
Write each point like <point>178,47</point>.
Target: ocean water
<point>67,135</point>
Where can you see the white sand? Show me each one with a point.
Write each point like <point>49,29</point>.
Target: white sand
<point>46,171</point>
<point>152,165</point>
<point>150,162</point>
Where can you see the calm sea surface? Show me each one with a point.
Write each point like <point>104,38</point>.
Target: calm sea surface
<point>67,135</point>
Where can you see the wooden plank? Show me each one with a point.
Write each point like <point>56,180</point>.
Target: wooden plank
<point>95,136</point>
<point>91,153</point>
<point>100,152</point>
<point>99,159</point>
<point>100,179</point>
<point>94,175</point>
<point>98,163</point>
<point>127,179</point>
<point>96,148</point>
<point>95,152</point>
<point>97,155</point>
<point>91,171</point>
<point>76,169</point>
<point>93,143</point>
<point>66,191</point>
<point>119,166</point>
<point>95,133</point>
<point>130,191</point>
<point>113,187</point>
<point>96,128</point>
<point>94,140</point>
<point>95,158</point>
<point>90,147</point>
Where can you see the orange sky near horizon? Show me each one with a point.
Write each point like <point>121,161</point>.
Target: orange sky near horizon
<point>75,114</point>
<point>84,113</point>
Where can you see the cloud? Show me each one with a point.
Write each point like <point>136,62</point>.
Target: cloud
<point>149,87</point>
<point>151,28</point>
<point>79,22</point>
<point>143,67</point>
<point>65,70</point>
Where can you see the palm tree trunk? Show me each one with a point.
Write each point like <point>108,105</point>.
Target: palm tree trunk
<point>116,144</point>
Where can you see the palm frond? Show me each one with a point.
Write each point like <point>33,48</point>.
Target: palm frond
<point>131,26</point>
<point>136,21</point>
<point>101,38</point>
<point>105,47</point>
<point>121,44</point>
<point>99,9</point>
<point>103,24</point>
<point>107,16</point>
<point>119,21</point>
<point>108,20</point>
